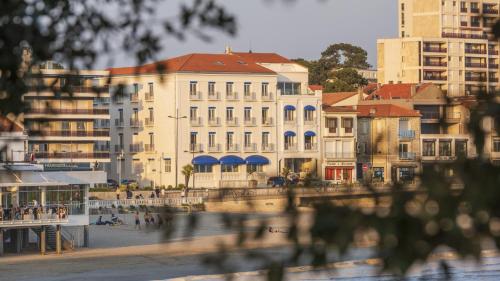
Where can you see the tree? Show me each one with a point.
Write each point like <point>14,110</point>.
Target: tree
<point>187,171</point>
<point>345,80</point>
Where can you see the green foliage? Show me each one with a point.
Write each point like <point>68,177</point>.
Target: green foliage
<point>345,80</point>
<point>187,171</point>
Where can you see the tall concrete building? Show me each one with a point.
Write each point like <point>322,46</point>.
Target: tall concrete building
<point>445,42</point>
<point>236,116</point>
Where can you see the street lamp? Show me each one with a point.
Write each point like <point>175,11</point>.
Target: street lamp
<point>193,152</point>
<point>177,117</point>
<point>119,158</point>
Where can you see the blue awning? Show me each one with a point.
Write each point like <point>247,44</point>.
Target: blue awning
<point>309,108</point>
<point>290,134</point>
<point>289,107</point>
<point>310,134</point>
<point>232,160</point>
<point>205,160</point>
<point>257,160</point>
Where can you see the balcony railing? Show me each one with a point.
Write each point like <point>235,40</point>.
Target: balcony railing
<point>232,96</point>
<point>475,51</point>
<point>493,65</point>
<point>490,11</point>
<point>406,134</point>
<point>493,52</point>
<point>269,147</point>
<point>435,63</point>
<point>135,123</point>
<point>291,147</point>
<point>214,121</point>
<point>435,49</point>
<point>430,115</point>
<point>290,121</point>
<point>214,148</point>
<point>435,78</point>
<point>250,97</point>
<point>134,98</point>
<point>267,121</point>
<point>453,116</point>
<point>268,97</point>
<point>251,147</point>
<point>475,64</point>
<point>232,122</point>
<point>412,156</point>
<point>250,122</point>
<point>463,23</point>
<point>213,95</point>
<point>119,148</point>
<point>68,133</point>
<point>149,122</point>
<point>463,10</point>
<point>196,122</point>
<point>95,111</point>
<point>73,89</point>
<point>135,148</point>
<point>232,147</point>
<point>149,147</point>
<point>195,147</point>
<point>475,79</point>
<point>149,97</point>
<point>474,10</point>
<point>464,35</point>
<point>340,155</point>
<point>310,146</point>
<point>195,96</point>
<point>493,79</point>
<point>72,155</point>
<point>119,123</point>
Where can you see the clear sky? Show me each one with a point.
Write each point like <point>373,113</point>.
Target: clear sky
<point>297,28</point>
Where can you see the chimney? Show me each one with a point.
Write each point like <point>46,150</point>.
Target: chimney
<point>413,90</point>
<point>228,50</point>
<point>373,111</point>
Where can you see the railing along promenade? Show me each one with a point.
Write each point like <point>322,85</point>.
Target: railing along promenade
<point>150,202</point>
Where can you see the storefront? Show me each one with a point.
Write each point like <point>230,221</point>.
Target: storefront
<point>403,173</point>
<point>340,172</point>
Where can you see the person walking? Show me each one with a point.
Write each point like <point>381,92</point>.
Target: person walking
<point>137,221</point>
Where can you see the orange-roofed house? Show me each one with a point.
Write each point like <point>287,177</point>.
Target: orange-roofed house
<point>237,117</point>
<point>388,143</point>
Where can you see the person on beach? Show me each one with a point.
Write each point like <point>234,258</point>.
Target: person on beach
<point>146,218</point>
<point>137,221</point>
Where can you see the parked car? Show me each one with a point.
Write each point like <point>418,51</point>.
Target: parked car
<point>276,181</point>
<point>112,183</point>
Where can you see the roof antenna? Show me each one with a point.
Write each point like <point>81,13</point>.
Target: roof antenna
<point>250,46</point>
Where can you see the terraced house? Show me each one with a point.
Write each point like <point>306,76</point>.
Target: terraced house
<point>238,117</point>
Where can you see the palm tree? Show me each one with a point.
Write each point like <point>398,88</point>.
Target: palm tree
<point>187,171</point>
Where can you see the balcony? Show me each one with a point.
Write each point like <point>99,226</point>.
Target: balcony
<point>493,52</point>
<point>291,147</point>
<point>474,10</point>
<point>431,49</point>
<point>310,122</point>
<point>493,66</point>
<point>119,148</point>
<point>69,133</point>
<point>233,122</point>
<point>194,96</point>
<point>464,35</point>
<point>475,79</point>
<point>149,122</point>
<point>267,121</point>
<point>463,10</point>
<point>195,147</point>
<point>232,96</point>
<point>436,78</point>
<point>268,97</point>
<point>493,79</point>
<point>406,134</point>
<point>310,146</point>
<point>149,97</point>
<point>119,123</point>
<point>475,65</point>
<point>453,117</point>
<point>214,122</point>
<point>135,148</point>
<point>250,97</point>
<point>149,148</point>
<point>340,155</point>
<point>475,51</point>
<point>490,11</point>
<point>196,122</point>
<point>250,122</point>
<point>408,156</point>
<point>291,122</point>
<point>231,147</point>
<point>95,111</point>
<point>269,147</point>
<point>70,89</point>
<point>214,148</point>
<point>435,63</point>
<point>72,155</point>
<point>135,123</point>
<point>213,95</point>
<point>463,23</point>
<point>134,98</point>
<point>250,147</point>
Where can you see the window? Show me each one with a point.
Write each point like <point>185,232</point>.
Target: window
<point>135,114</point>
<point>248,139</point>
<point>229,168</point>
<point>136,89</point>
<point>247,113</point>
<point>331,125</point>
<point>211,113</point>
<point>229,139</point>
<point>80,126</point>
<point>289,88</point>
<point>289,142</point>
<point>289,115</point>
<point>211,139</point>
<point>192,88</point>
<point>151,88</point>
<point>309,115</point>
<point>246,89</point>
<point>65,126</point>
<point>265,89</point>
<point>151,113</point>
<point>496,145</point>
<point>429,148</point>
<point>120,140</point>
<point>403,151</point>
<point>265,114</point>
<point>211,88</point>
<point>444,148</point>
<point>229,114</point>
<point>151,139</point>
<point>193,113</point>
<point>347,124</point>
<point>265,139</point>
<point>461,148</point>
<point>120,115</point>
<point>200,169</point>
<point>229,88</point>
<point>364,127</point>
<point>192,139</point>
<point>253,168</point>
<point>168,165</point>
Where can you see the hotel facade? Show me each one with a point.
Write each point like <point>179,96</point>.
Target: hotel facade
<point>239,118</point>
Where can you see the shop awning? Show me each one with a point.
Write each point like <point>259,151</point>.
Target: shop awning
<point>309,108</point>
<point>257,160</point>
<point>289,107</point>
<point>290,134</point>
<point>205,160</point>
<point>231,160</point>
<point>310,134</point>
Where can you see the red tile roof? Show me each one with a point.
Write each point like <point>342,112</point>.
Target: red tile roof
<point>332,98</point>
<point>6,125</point>
<point>386,110</point>
<point>263,57</point>
<point>368,89</point>
<point>396,91</point>
<point>227,63</point>
<point>327,108</point>
<point>316,87</point>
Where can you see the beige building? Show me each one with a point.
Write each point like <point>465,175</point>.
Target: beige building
<point>236,116</point>
<point>444,42</point>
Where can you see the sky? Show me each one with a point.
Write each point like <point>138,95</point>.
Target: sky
<point>294,29</point>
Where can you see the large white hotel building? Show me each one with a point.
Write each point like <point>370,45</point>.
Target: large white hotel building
<point>236,116</point>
